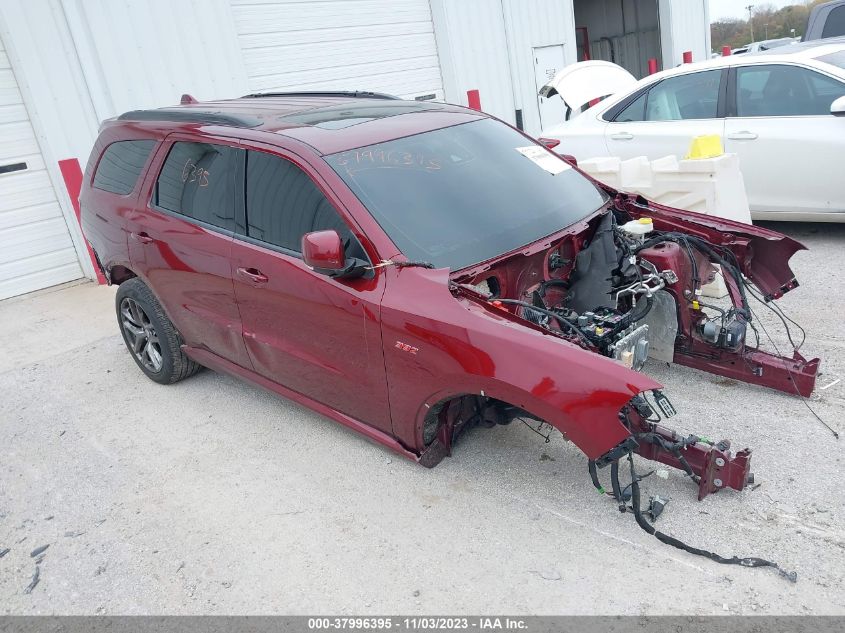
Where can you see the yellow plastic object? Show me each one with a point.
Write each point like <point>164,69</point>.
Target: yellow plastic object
<point>645,221</point>
<point>706,146</point>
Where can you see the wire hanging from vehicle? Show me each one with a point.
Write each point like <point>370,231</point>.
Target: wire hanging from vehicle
<point>635,508</point>
<point>792,379</point>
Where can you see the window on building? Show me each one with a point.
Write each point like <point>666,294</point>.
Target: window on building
<point>121,164</point>
<point>196,181</point>
<point>283,204</point>
<point>784,90</point>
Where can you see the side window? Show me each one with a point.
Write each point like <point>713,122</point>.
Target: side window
<point>693,96</point>
<point>781,90</point>
<point>635,110</point>
<point>835,23</point>
<point>196,181</point>
<point>121,164</point>
<point>283,204</point>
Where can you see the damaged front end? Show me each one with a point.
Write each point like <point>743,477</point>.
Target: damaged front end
<point>628,284</point>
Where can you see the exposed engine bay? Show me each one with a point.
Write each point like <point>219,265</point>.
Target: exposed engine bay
<point>629,283</point>
<point>639,281</point>
<point>625,289</point>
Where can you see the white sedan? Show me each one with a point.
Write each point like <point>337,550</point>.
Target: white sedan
<point>782,111</point>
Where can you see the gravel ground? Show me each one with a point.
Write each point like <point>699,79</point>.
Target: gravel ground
<point>213,496</point>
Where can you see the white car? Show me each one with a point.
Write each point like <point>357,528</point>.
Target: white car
<point>782,111</point>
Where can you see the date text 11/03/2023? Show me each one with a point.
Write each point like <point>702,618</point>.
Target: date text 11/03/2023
<point>424,623</point>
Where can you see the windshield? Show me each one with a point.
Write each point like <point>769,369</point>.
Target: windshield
<point>464,194</point>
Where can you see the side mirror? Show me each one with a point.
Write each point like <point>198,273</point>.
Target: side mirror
<point>837,108</point>
<point>324,252</point>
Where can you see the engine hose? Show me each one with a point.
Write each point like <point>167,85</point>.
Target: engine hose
<point>574,328</point>
<point>670,540</point>
<point>630,317</point>
<point>552,282</point>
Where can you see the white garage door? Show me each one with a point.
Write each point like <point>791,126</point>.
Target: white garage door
<point>36,250</point>
<point>379,45</point>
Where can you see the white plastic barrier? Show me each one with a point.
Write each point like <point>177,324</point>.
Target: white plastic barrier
<point>712,186</point>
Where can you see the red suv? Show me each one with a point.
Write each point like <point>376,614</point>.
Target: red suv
<point>412,268</point>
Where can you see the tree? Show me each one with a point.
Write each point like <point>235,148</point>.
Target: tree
<point>768,23</point>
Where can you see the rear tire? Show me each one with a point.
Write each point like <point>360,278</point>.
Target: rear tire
<point>150,337</point>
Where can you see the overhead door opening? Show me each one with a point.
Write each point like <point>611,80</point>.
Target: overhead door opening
<point>625,32</point>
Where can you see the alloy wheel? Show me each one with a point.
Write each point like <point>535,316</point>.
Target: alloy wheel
<point>140,335</point>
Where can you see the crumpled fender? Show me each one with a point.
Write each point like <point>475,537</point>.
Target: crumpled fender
<point>454,345</point>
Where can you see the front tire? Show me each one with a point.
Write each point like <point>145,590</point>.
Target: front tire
<point>150,337</point>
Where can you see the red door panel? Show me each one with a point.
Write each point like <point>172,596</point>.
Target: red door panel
<point>187,267</point>
<point>313,334</point>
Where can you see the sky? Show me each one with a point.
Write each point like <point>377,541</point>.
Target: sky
<point>736,8</point>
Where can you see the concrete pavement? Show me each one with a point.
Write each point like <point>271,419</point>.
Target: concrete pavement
<point>214,496</point>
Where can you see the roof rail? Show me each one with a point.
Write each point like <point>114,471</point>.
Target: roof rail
<point>355,94</point>
<point>190,115</point>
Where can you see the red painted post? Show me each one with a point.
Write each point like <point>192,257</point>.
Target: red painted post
<point>652,66</point>
<point>474,99</point>
<point>72,175</point>
<point>687,57</point>
<point>726,51</point>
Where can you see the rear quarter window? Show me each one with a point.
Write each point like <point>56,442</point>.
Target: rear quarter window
<point>121,164</point>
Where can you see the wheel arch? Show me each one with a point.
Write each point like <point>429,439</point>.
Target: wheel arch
<point>590,420</point>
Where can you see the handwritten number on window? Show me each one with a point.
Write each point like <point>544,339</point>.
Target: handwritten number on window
<point>192,173</point>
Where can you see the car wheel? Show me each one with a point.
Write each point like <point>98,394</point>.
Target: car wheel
<point>149,335</point>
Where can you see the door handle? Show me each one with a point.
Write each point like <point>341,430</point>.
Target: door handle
<point>745,135</point>
<point>254,275</point>
<point>142,237</point>
<point>622,136</point>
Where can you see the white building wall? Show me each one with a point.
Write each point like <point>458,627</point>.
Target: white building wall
<point>684,26</point>
<point>489,45</point>
<point>379,45</point>
<point>532,24</point>
<point>473,48</point>
<point>36,249</point>
<point>146,54</point>
<point>49,77</point>
<point>81,61</point>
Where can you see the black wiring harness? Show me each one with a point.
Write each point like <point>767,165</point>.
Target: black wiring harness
<point>621,496</point>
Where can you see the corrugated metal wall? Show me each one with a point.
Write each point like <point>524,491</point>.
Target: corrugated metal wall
<point>36,249</point>
<point>146,54</point>
<point>381,45</point>
<point>684,27</point>
<point>85,60</point>
<point>473,47</point>
<point>532,24</point>
<point>489,44</point>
